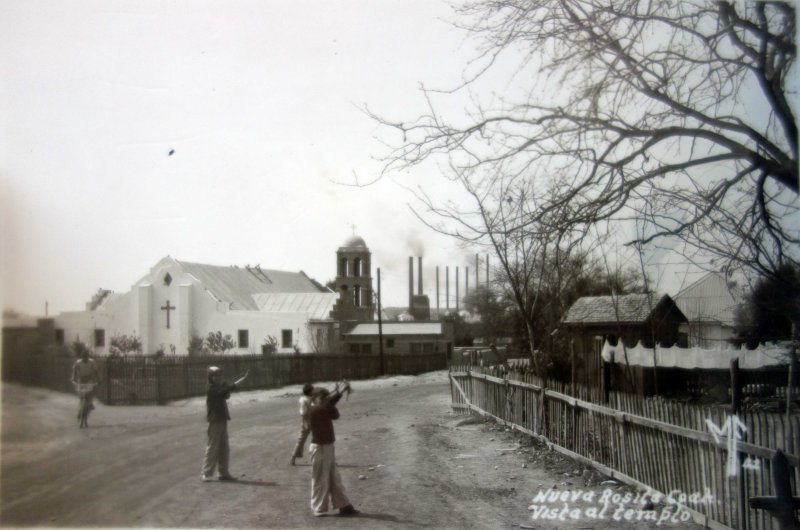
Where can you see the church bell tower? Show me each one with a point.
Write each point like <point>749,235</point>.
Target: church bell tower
<point>354,282</point>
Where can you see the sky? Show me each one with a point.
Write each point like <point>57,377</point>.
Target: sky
<point>224,133</point>
<point>214,132</point>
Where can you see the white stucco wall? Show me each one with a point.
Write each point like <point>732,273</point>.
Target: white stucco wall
<point>196,313</point>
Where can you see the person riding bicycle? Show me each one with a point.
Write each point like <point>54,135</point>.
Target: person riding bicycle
<point>84,371</point>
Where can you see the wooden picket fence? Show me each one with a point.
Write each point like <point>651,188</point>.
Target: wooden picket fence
<point>144,380</point>
<point>645,442</point>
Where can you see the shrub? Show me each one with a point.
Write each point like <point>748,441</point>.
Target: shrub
<point>196,346</point>
<point>124,344</point>
<point>79,348</point>
<point>270,345</point>
<point>219,343</point>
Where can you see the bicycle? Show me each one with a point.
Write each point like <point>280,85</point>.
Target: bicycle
<point>85,394</point>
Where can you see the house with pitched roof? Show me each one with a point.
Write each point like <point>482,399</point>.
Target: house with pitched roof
<point>645,319</point>
<point>632,318</point>
<point>710,306</point>
<point>178,300</point>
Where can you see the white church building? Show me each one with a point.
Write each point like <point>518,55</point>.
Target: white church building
<point>177,300</point>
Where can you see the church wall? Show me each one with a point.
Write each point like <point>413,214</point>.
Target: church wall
<point>193,311</point>
<point>116,317</point>
<point>77,326</point>
<point>259,326</point>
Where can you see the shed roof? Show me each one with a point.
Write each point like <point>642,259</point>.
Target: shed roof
<point>397,328</point>
<point>623,309</point>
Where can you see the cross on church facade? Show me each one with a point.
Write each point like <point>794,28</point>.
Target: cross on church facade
<point>167,308</point>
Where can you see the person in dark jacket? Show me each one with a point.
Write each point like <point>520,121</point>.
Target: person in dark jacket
<point>326,484</point>
<point>217,448</point>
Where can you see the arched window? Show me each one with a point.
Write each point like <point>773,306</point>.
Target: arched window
<point>344,267</point>
<point>358,267</point>
<point>357,296</point>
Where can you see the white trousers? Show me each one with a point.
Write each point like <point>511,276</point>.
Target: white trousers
<point>217,449</point>
<point>326,484</point>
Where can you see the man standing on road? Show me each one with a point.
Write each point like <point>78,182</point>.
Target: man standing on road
<point>217,448</point>
<point>326,484</point>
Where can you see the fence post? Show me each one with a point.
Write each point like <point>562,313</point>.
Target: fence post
<point>783,504</point>
<point>736,405</point>
<point>107,380</point>
<point>185,362</point>
<point>543,414</point>
<point>607,366</point>
<point>159,398</point>
<point>736,387</point>
<point>573,435</point>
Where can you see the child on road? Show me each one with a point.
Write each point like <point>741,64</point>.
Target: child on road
<point>305,429</point>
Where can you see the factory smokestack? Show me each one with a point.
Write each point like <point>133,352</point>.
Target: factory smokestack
<point>437,291</point>
<point>457,281</point>
<point>419,275</point>
<point>447,288</point>
<point>410,282</point>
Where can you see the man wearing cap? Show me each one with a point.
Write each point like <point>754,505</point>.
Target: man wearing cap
<point>326,484</point>
<point>217,448</point>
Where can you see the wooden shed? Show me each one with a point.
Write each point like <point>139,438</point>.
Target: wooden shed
<point>632,318</point>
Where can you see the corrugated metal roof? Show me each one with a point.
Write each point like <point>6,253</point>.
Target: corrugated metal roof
<point>709,299</point>
<point>237,285</point>
<point>317,305</point>
<point>398,328</point>
<point>630,309</point>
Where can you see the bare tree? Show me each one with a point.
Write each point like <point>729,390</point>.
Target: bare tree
<point>678,114</point>
<point>537,248</point>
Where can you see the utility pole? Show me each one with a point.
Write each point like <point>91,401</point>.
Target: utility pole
<point>380,324</point>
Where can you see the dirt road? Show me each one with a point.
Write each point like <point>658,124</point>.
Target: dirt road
<point>406,461</point>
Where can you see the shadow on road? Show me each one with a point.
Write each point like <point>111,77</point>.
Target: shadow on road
<point>249,482</point>
<point>337,465</point>
<point>387,517</point>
